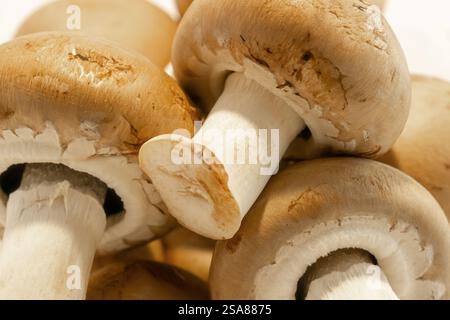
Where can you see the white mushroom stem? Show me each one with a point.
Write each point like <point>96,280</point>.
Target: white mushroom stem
<point>348,275</point>
<point>54,223</point>
<point>210,182</point>
<point>248,130</point>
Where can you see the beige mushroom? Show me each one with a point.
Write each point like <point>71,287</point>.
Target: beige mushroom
<point>183,5</point>
<point>423,149</point>
<point>135,24</point>
<point>189,251</point>
<point>338,228</point>
<point>73,114</point>
<point>145,280</point>
<point>153,251</point>
<point>331,71</point>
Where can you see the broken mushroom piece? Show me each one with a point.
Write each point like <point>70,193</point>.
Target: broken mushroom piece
<point>423,149</point>
<point>135,24</point>
<point>73,114</point>
<point>189,251</point>
<point>342,228</point>
<point>331,71</point>
<point>145,280</point>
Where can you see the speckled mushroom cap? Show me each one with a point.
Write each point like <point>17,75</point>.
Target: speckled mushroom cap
<point>145,280</point>
<point>423,149</point>
<point>89,105</point>
<point>135,24</point>
<point>337,63</point>
<point>317,207</point>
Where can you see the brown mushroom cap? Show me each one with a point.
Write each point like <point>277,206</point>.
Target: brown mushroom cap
<point>145,280</point>
<point>88,104</point>
<point>135,24</point>
<point>423,149</point>
<point>337,63</point>
<point>319,207</point>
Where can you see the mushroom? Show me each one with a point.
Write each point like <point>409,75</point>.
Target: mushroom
<point>331,71</point>
<point>183,5</point>
<point>135,24</point>
<point>189,251</point>
<point>342,228</point>
<point>145,280</point>
<point>423,149</point>
<point>154,251</point>
<point>73,114</point>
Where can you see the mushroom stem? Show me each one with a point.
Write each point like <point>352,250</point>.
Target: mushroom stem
<point>246,133</point>
<point>347,275</point>
<point>248,130</point>
<point>54,223</point>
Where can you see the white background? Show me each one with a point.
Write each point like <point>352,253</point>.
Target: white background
<point>423,27</point>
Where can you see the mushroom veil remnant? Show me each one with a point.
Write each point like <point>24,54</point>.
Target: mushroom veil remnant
<point>337,228</point>
<point>329,72</point>
<point>73,113</point>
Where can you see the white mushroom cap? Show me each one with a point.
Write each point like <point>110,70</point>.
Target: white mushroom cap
<point>87,104</point>
<point>423,149</point>
<point>135,24</point>
<point>319,207</point>
<point>145,280</point>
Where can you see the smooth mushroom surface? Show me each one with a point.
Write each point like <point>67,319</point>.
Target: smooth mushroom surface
<point>337,228</point>
<point>189,251</point>
<point>135,24</point>
<point>74,112</point>
<point>331,72</point>
<point>423,149</point>
<point>145,280</point>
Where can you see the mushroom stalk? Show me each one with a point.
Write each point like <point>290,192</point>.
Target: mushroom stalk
<point>244,136</point>
<point>54,222</point>
<point>347,275</point>
<point>248,130</point>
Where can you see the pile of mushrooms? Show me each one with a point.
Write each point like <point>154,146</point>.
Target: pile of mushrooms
<point>329,71</point>
<point>119,182</point>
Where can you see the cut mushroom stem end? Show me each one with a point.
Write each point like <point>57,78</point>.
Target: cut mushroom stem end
<point>209,182</point>
<point>346,275</point>
<point>55,221</point>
